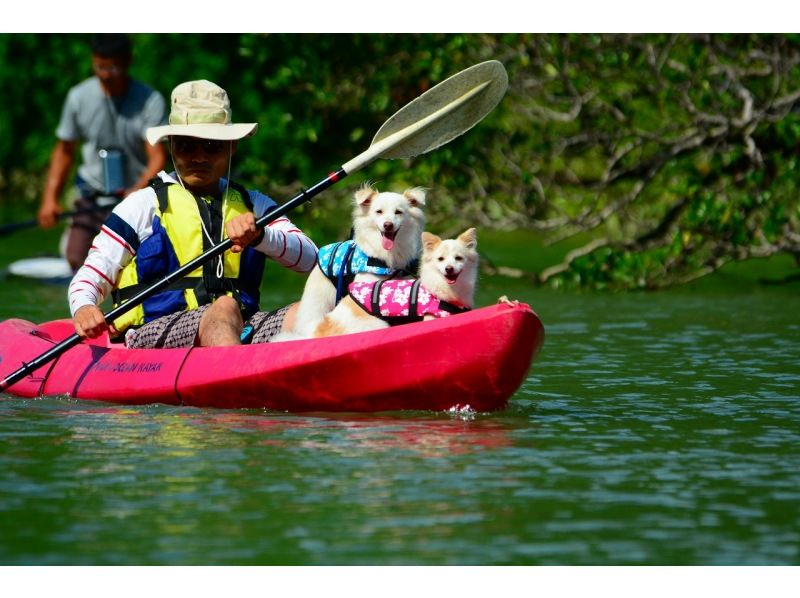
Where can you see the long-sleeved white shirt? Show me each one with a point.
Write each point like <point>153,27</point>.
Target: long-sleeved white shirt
<point>131,222</point>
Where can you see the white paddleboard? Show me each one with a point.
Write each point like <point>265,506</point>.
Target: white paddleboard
<point>45,268</point>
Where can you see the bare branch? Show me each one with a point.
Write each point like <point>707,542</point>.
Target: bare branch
<point>548,273</point>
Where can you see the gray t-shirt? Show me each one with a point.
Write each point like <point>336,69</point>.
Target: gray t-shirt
<point>102,122</point>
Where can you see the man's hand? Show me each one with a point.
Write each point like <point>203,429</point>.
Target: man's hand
<point>49,213</point>
<point>89,322</point>
<point>242,231</point>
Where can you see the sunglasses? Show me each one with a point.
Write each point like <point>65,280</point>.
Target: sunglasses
<point>111,69</point>
<point>190,145</point>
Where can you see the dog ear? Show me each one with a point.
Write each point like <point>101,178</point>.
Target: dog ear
<point>415,196</point>
<point>363,197</point>
<point>430,241</point>
<point>469,238</point>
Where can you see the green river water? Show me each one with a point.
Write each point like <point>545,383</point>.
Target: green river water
<point>653,428</point>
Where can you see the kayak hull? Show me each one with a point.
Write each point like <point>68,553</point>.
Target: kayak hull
<point>476,360</point>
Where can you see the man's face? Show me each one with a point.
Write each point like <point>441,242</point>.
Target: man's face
<point>112,72</point>
<point>201,162</point>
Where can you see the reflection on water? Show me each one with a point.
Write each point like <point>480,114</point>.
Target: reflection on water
<point>661,429</point>
<point>190,432</point>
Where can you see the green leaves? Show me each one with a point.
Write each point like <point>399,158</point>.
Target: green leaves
<point>681,150</point>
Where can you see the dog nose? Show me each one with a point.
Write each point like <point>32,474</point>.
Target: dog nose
<point>449,270</point>
<point>388,227</point>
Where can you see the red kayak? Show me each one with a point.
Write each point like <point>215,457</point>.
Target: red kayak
<point>477,359</point>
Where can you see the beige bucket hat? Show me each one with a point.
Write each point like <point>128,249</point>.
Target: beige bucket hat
<point>201,109</point>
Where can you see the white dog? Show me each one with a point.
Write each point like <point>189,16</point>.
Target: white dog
<point>446,285</point>
<point>386,244</point>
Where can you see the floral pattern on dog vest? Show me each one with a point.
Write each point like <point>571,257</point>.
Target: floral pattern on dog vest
<point>395,297</point>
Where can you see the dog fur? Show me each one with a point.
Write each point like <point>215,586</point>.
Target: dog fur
<point>449,269</point>
<point>386,226</point>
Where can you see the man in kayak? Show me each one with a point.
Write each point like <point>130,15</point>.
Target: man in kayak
<point>109,113</point>
<point>175,219</point>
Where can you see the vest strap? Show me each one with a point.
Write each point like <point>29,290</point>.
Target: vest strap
<point>160,186</point>
<point>374,262</point>
<point>375,305</point>
<point>412,300</point>
<point>452,308</point>
<point>345,276</point>
<point>120,295</point>
<point>375,299</point>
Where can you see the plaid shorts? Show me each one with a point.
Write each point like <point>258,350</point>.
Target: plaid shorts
<point>179,330</point>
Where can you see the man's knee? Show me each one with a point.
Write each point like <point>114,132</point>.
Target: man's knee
<point>221,324</point>
<point>225,303</point>
<point>224,308</point>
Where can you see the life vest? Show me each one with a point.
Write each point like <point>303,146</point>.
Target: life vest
<point>177,239</point>
<point>401,301</point>
<point>340,262</point>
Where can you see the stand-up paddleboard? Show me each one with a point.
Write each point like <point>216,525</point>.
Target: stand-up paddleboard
<point>47,269</point>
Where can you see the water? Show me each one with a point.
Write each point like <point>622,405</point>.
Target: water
<point>652,429</point>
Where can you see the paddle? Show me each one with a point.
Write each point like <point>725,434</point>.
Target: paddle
<point>436,117</point>
<point>7,229</point>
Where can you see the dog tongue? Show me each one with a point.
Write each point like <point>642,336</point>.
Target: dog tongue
<point>387,242</point>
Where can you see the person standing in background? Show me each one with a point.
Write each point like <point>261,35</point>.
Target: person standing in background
<point>108,114</point>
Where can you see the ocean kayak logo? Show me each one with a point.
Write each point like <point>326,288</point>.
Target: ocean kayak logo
<point>125,367</point>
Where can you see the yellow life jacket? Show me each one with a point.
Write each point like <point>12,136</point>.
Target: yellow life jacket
<point>178,237</point>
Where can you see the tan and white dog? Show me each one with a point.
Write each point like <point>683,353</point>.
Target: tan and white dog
<point>386,243</point>
<point>446,285</point>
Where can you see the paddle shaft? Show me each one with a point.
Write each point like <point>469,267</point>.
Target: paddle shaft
<point>188,267</point>
<point>7,229</point>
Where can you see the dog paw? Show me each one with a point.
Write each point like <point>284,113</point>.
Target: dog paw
<point>507,301</point>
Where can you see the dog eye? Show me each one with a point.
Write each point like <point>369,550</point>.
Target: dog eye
<point>379,211</point>
<point>441,259</point>
<point>459,258</point>
<point>398,212</point>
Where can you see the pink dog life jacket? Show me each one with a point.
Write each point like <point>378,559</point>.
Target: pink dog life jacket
<point>400,301</point>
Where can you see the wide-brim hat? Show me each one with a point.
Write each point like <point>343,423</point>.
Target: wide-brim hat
<point>201,109</point>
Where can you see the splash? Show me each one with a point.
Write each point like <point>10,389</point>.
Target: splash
<point>464,412</point>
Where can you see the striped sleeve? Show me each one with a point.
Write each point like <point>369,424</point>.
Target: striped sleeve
<point>130,223</point>
<point>288,245</point>
<point>283,241</point>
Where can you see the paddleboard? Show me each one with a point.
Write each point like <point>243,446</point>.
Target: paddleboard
<point>50,269</point>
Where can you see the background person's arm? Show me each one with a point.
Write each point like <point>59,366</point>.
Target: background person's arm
<point>60,164</point>
<point>156,161</point>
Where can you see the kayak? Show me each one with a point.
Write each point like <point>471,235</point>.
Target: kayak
<point>475,360</point>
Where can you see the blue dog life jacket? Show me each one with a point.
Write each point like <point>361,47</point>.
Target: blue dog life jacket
<point>340,262</point>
